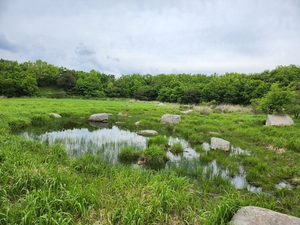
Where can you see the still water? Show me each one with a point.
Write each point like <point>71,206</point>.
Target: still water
<point>108,142</point>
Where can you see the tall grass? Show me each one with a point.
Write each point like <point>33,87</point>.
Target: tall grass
<point>41,184</point>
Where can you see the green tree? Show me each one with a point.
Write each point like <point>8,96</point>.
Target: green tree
<point>294,108</point>
<point>66,80</point>
<point>29,85</point>
<point>276,100</point>
<point>89,86</point>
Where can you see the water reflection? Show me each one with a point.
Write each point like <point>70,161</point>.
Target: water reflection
<point>108,142</point>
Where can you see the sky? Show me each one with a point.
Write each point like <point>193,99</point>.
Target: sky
<point>152,36</point>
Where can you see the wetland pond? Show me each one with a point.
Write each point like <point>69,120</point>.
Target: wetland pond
<point>108,141</point>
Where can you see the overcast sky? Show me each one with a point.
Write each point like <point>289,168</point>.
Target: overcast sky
<point>152,36</point>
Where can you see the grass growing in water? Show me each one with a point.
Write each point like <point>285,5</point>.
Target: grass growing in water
<point>154,156</point>
<point>176,148</point>
<point>129,154</point>
<point>159,141</point>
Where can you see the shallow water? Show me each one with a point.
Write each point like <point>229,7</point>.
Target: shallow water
<point>108,142</point>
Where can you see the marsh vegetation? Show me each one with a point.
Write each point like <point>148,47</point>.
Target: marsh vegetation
<point>44,181</point>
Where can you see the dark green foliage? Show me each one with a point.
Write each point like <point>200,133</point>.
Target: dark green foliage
<point>229,88</point>
<point>66,80</point>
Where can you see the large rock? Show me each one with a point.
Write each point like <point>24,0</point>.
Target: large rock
<point>99,117</point>
<point>147,132</point>
<point>169,118</point>
<point>218,143</point>
<point>279,120</point>
<point>250,215</point>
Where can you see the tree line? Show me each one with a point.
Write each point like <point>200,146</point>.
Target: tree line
<point>28,78</point>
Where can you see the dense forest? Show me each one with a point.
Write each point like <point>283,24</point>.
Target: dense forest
<point>42,79</point>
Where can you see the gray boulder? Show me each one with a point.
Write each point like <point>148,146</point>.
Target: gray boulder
<point>147,132</point>
<point>255,215</point>
<point>55,115</point>
<point>99,117</point>
<point>279,120</point>
<point>169,118</point>
<point>218,143</point>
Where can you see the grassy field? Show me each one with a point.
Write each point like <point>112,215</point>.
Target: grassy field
<point>41,184</point>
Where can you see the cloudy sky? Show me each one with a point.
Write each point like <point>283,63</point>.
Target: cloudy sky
<point>152,36</point>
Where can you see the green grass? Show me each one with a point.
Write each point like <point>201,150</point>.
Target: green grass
<point>41,184</point>
<point>154,156</point>
<point>176,148</point>
<point>159,141</point>
<point>129,154</point>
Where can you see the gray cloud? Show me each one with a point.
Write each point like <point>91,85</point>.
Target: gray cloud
<point>155,36</point>
<point>7,45</point>
<point>112,58</point>
<point>82,49</point>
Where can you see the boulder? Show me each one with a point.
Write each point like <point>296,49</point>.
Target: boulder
<point>137,123</point>
<point>169,118</point>
<point>55,115</point>
<point>99,117</point>
<point>260,216</point>
<point>279,120</point>
<point>218,143</point>
<point>187,111</point>
<point>147,132</point>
